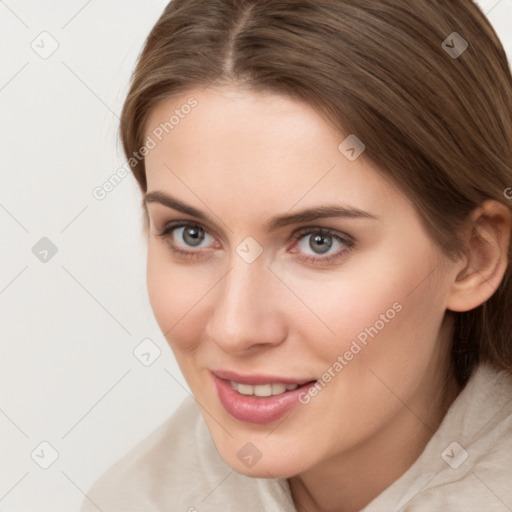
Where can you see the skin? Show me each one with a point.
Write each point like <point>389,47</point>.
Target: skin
<point>242,158</point>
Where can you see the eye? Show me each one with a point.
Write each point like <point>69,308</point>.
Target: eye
<point>321,244</point>
<point>187,238</point>
<point>191,236</point>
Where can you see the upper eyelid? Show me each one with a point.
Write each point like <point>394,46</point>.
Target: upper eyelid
<point>189,222</point>
<point>322,229</point>
<point>175,224</point>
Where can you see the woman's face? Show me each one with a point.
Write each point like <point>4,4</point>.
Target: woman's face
<point>293,269</point>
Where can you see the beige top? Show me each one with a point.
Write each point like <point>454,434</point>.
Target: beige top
<point>466,466</point>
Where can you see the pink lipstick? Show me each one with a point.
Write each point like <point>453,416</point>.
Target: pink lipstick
<point>258,399</point>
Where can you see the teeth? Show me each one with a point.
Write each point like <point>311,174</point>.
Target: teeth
<point>277,389</point>
<point>244,389</point>
<point>263,390</point>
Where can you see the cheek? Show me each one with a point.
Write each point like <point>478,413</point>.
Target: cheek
<point>374,310</point>
<point>175,292</point>
<point>401,337</point>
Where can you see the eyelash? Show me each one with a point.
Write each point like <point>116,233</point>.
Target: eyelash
<point>343,238</point>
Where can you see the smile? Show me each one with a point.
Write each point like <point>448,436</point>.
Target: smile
<point>262,390</point>
<point>258,399</point>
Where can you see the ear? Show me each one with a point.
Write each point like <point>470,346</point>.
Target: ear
<point>487,239</point>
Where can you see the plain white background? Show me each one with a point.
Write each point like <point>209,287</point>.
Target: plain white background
<point>71,321</point>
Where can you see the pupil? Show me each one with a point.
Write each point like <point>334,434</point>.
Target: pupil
<point>320,243</point>
<point>193,236</point>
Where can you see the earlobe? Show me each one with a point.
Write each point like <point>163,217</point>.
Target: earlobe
<point>487,240</point>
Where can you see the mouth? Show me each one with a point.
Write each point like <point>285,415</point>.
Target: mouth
<point>258,399</point>
<point>262,390</point>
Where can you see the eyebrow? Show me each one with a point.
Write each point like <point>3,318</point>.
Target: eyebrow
<point>276,222</point>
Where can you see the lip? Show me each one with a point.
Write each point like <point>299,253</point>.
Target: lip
<point>255,380</point>
<point>257,410</point>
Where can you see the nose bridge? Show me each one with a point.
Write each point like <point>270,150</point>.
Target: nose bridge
<point>240,295</point>
<point>245,313</point>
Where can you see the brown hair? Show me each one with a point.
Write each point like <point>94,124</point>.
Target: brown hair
<point>439,125</point>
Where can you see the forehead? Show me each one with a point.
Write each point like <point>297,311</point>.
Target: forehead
<point>259,150</point>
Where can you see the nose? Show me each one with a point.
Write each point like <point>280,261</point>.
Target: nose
<point>247,311</point>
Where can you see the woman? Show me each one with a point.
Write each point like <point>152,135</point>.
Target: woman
<point>324,193</point>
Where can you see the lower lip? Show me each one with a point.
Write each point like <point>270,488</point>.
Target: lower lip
<point>257,410</point>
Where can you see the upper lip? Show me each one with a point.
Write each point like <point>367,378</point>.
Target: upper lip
<point>255,380</point>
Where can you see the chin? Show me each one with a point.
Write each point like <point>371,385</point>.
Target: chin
<point>264,464</point>
<point>279,469</point>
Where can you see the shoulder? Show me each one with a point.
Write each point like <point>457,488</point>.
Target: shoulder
<point>132,482</point>
<point>467,463</point>
<point>178,468</point>
<point>475,447</point>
